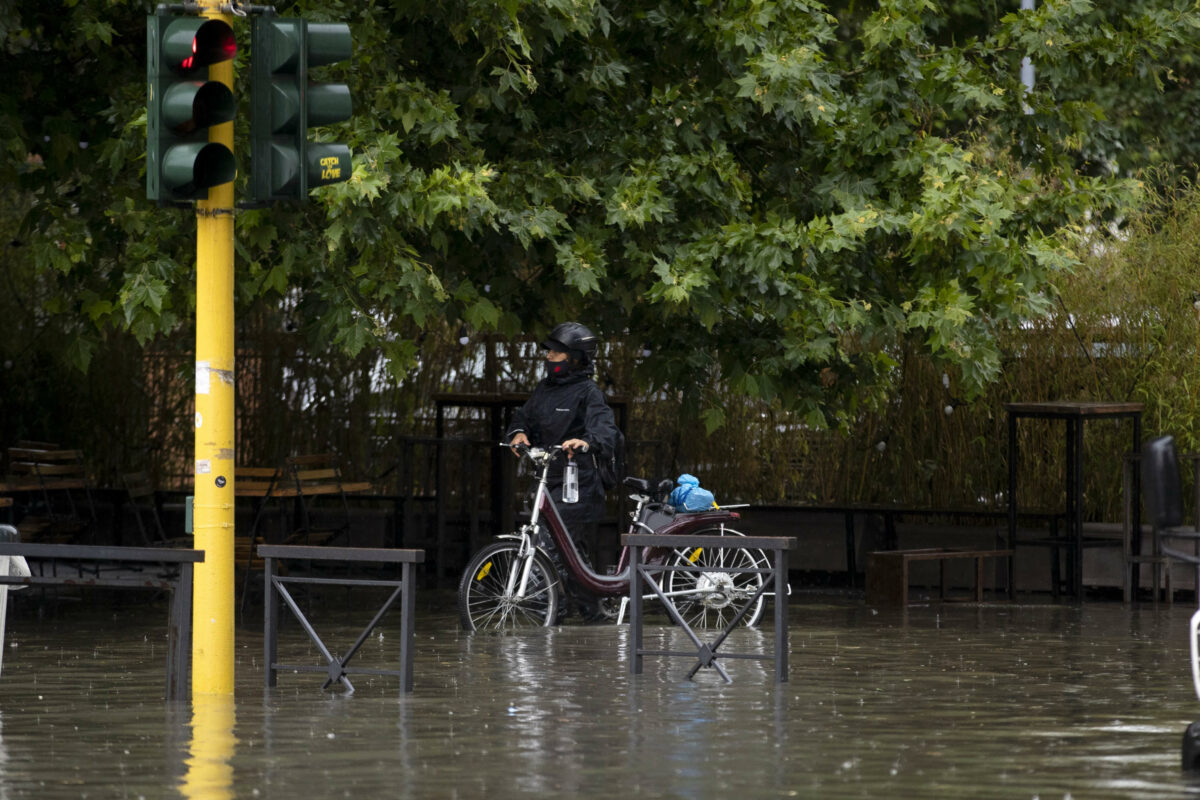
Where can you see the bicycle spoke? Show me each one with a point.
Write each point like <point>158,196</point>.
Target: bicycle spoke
<point>484,598</point>
<point>712,599</point>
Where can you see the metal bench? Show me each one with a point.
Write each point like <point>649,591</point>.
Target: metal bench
<point>335,668</point>
<point>708,653</point>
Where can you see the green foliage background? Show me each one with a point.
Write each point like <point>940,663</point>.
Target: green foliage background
<point>803,212</point>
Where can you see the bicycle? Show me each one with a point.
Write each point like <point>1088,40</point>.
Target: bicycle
<point>513,583</point>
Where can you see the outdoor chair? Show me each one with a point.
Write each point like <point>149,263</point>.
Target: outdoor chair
<point>261,484</point>
<point>143,503</point>
<point>60,507</point>
<point>1163,492</point>
<point>323,512</point>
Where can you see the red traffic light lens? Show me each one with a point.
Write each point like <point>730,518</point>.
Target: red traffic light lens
<point>213,43</point>
<point>193,43</point>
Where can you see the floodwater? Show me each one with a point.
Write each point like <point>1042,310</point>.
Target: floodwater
<point>981,701</point>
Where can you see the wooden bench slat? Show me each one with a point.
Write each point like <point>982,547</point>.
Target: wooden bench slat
<point>310,490</point>
<point>256,472</point>
<point>59,469</point>
<point>28,454</point>
<point>316,475</point>
<point>316,489</point>
<point>56,484</point>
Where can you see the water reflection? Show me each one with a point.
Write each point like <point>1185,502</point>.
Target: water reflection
<point>4,793</point>
<point>209,762</point>
<point>979,701</point>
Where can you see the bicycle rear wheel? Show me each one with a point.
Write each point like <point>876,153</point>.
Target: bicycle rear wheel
<point>483,600</point>
<point>710,600</point>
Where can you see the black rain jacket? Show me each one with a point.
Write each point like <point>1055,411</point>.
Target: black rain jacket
<point>570,407</point>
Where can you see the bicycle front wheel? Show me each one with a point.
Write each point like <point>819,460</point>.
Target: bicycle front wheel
<point>711,599</point>
<point>484,602</point>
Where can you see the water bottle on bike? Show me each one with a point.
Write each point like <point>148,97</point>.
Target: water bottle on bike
<point>570,490</point>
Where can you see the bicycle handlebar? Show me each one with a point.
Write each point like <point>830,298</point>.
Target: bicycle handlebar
<point>535,454</point>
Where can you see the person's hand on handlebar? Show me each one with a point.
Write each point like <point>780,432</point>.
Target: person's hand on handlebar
<point>518,440</point>
<point>571,445</point>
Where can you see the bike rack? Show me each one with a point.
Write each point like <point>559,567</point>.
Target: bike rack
<point>336,669</point>
<point>707,652</point>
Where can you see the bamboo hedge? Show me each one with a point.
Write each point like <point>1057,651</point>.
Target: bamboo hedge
<point>1124,327</point>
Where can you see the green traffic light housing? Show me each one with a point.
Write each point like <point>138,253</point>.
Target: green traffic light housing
<point>284,164</point>
<point>182,104</point>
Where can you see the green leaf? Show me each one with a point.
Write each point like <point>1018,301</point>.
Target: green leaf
<point>713,418</point>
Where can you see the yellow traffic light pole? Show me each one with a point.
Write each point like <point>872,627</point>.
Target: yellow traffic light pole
<point>213,503</point>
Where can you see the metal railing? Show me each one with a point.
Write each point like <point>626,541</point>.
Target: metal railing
<point>275,589</point>
<point>707,653</point>
<point>128,563</point>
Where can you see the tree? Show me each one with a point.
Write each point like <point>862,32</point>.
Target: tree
<point>773,196</point>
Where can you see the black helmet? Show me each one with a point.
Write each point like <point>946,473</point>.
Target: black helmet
<point>573,338</point>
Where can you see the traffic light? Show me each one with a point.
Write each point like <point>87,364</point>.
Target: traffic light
<point>182,104</point>
<point>284,164</point>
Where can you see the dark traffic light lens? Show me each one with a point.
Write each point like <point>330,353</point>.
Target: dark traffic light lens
<point>214,166</point>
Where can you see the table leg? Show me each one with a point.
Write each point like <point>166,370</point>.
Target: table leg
<point>270,624</point>
<point>781,616</point>
<point>851,555</point>
<point>407,625</point>
<point>1012,502</point>
<point>179,639</point>
<point>1074,501</point>
<point>1136,511</point>
<point>635,610</point>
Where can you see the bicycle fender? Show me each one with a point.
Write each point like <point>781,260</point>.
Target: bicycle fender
<point>691,521</point>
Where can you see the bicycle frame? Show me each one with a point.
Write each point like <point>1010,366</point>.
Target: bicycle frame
<point>545,510</point>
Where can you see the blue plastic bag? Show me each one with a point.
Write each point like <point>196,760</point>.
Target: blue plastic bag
<point>688,496</point>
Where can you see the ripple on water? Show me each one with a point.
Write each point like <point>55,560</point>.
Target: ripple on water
<point>995,701</point>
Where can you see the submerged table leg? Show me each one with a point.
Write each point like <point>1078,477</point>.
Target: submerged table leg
<point>407,624</point>
<point>635,611</point>
<point>270,623</point>
<point>781,616</point>
<point>179,645</point>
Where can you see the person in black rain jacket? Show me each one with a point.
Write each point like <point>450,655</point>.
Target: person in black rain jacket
<point>567,410</point>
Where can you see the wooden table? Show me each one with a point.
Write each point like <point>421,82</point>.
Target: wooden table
<point>887,572</point>
<point>1074,414</point>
